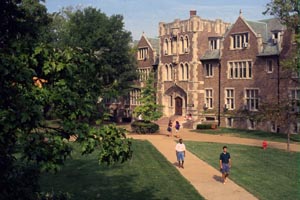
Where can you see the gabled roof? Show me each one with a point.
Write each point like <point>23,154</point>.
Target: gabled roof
<point>152,42</point>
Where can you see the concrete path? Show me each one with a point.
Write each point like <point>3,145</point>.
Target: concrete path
<point>205,179</point>
<point>202,176</point>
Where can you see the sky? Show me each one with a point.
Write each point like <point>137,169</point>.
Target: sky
<point>144,15</point>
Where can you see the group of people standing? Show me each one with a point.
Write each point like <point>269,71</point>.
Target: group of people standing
<point>170,128</point>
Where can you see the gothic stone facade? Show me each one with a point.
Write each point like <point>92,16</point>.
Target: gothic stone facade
<point>181,84</point>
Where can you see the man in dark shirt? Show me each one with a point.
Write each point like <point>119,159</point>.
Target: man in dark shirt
<point>225,164</point>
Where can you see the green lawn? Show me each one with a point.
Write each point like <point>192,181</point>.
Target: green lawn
<point>268,174</point>
<point>147,176</point>
<point>254,134</point>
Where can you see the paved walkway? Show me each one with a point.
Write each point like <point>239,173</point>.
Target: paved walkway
<point>206,179</point>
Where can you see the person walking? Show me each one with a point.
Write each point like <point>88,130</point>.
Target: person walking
<point>169,129</point>
<point>180,153</point>
<point>177,127</point>
<point>225,163</point>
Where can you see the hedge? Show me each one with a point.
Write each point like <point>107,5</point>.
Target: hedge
<point>142,127</point>
<point>204,126</point>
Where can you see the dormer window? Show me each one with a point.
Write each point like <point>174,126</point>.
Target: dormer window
<point>276,37</point>
<point>213,43</point>
<point>239,41</point>
<point>143,53</point>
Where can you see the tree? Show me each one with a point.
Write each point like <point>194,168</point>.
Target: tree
<point>70,78</point>
<point>149,110</point>
<point>288,11</point>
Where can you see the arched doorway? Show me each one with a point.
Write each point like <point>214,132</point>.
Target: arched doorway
<point>178,106</point>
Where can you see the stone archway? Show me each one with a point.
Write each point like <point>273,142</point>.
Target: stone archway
<point>175,101</point>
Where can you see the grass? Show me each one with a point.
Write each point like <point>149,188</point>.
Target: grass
<point>254,134</point>
<point>147,176</point>
<point>267,174</point>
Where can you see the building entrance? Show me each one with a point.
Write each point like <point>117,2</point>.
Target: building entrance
<point>178,106</point>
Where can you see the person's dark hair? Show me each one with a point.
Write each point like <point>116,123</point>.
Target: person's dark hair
<point>224,147</point>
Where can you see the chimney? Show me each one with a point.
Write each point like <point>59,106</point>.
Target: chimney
<point>193,13</point>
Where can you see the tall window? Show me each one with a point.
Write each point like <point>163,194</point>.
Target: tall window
<point>184,72</point>
<point>229,99</point>
<point>252,100</point>
<point>269,68</point>
<point>135,95</point>
<point>295,100</point>
<point>168,75</point>
<point>208,70</point>
<point>187,71</point>
<point>213,44</point>
<point>182,45</point>
<point>186,44</point>
<point>229,122</point>
<point>239,41</point>
<point>209,98</point>
<point>240,70</point>
<point>166,47</point>
<point>143,53</point>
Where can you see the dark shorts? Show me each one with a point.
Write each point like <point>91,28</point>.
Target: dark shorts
<point>225,168</point>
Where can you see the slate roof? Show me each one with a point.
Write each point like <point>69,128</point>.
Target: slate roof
<point>265,27</point>
<point>154,43</point>
<point>211,55</point>
<point>259,27</point>
<point>269,50</point>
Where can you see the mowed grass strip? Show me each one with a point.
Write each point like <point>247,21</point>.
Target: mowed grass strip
<point>267,174</point>
<point>147,176</point>
<point>253,134</point>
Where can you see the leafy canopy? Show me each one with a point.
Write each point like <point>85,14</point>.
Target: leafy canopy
<point>74,58</point>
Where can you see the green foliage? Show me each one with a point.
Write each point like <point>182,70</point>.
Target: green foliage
<point>287,11</point>
<point>148,109</point>
<point>147,176</point>
<point>53,196</point>
<point>143,127</point>
<point>203,126</point>
<point>33,49</point>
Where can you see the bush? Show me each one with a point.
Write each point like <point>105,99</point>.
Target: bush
<point>204,126</point>
<point>143,127</point>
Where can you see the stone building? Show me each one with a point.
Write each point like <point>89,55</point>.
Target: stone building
<point>221,73</point>
<point>180,81</point>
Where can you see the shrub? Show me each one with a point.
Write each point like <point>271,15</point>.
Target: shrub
<point>143,127</point>
<point>203,126</point>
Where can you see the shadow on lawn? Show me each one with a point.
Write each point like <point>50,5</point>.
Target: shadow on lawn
<point>85,179</point>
